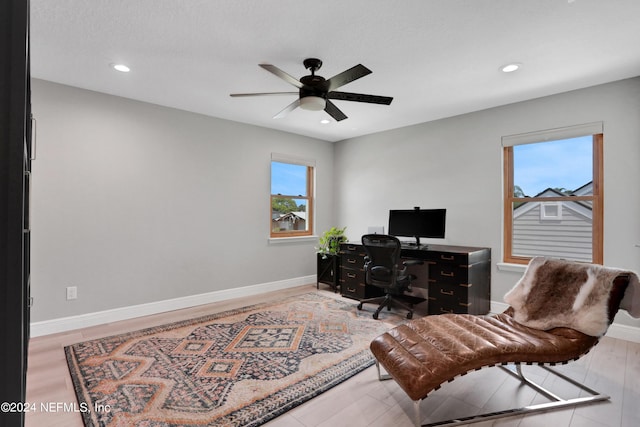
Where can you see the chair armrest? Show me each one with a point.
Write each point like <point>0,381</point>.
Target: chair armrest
<point>413,262</point>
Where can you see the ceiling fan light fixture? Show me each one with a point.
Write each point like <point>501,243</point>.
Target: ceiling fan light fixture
<point>313,103</point>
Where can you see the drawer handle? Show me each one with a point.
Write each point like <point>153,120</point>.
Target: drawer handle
<point>442,310</point>
<point>465,305</point>
<point>351,260</point>
<point>351,289</point>
<point>351,275</point>
<point>442,273</point>
<point>443,292</point>
<point>447,258</point>
<point>351,248</point>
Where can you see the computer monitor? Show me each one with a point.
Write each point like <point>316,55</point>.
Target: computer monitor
<point>417,223</point>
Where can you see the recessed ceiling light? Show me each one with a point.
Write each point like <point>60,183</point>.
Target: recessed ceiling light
<point>325,121</point>
<point>510,68</point>
<point>121,67</point>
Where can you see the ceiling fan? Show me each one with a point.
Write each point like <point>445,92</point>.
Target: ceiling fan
<point>316,92</point>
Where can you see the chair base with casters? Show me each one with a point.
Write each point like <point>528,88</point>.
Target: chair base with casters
<point>406,302</point>
<point>425,353</point>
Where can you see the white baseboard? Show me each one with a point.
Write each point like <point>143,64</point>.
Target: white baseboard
<point>616,330</point>
<point>624,332</point>
<point>65,324</point>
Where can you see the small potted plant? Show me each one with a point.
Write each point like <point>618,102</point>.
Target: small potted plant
<point>328,250</point>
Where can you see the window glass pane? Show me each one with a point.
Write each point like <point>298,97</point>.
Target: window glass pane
<point>288,214</point>
<point>569,237</point>
<point>549,168</point>
<point>288,179</point>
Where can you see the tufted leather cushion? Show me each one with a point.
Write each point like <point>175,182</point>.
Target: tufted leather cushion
<point>424,353</point>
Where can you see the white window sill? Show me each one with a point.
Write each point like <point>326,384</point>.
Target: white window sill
<point>515,268</point>
<point>296,239</point>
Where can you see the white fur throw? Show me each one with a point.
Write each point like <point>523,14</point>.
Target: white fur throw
<point>556,293</point>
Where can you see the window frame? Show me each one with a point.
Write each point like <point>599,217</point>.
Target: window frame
<point>309,197</point>
<point>597,198</point>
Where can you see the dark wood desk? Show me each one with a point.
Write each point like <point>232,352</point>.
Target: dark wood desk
<point>458,278</point>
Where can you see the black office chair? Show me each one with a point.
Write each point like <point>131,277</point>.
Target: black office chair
<point>384,269</point>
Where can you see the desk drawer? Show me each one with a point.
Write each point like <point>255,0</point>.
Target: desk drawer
<point>449,258</point>
<point>353,290</point>
<point>352,261</point>
<point>352,285</point>
<point>346,248</point>
<point>448,273</point>
<point>456,298</point>
<point>447,292</point>
<point>351,276</point>
<point>352,256</point>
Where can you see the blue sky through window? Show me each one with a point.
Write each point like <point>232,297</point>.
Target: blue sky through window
<point>288,179</point>
<point>564,163</point>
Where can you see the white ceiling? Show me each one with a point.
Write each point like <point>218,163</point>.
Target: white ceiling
<point>437,58</point>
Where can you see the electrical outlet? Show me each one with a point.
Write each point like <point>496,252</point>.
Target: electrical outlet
<point>72,292</point>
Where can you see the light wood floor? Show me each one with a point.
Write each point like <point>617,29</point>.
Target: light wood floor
<point>612,367</point>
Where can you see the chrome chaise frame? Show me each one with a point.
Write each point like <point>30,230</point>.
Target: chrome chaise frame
<point>515,370</point>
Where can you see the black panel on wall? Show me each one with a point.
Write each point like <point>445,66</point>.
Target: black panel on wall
<point>15,167</point>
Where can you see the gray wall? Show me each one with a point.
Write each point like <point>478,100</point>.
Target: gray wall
<point>456,163</point>
<point>135,203</point>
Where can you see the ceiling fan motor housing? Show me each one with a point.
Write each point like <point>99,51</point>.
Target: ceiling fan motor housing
<point>313,86</point>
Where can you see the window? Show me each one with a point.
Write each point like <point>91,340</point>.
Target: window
<point>553,199</point>
<point>550,211</point>
<point>291,196</point>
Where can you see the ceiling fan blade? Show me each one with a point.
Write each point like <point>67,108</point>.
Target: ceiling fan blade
<point>289,108</point>
<point>263,93</point>
<point>347,76</point>
<point>334,111</point>
<point>360,97</point>
<point>284,76</point>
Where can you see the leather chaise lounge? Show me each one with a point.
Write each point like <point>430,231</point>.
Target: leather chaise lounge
<point>550,306</point>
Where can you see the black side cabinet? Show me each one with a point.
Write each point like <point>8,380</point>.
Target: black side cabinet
<point>15,173</point>
<point>328,266</point>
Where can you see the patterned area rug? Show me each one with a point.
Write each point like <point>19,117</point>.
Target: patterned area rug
<point>241,367</point>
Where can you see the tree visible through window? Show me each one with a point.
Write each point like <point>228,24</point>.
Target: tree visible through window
<point>291,199</point>
<point>553,199</point>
